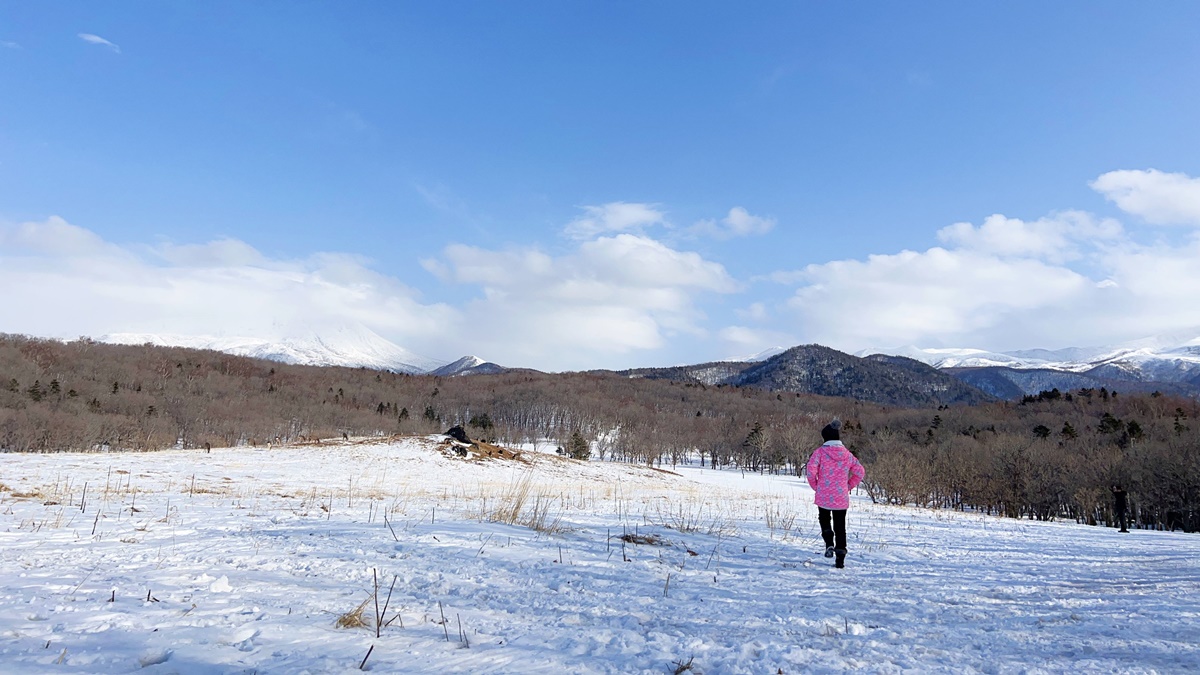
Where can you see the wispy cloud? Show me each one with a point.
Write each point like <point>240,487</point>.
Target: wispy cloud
<point>737,223</point>
<point>9,45</point>
<point>614,217</point>
<point>97,40</point>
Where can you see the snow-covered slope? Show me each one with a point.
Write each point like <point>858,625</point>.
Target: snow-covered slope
<point>353,346</point>
<point>243,560</point>
<point>467,365</point>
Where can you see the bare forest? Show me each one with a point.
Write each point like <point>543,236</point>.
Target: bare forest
<point>1051,456</point>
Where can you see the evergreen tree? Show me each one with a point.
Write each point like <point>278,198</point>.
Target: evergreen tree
<point>1068,431</point>
<point>1109,424</point>
<point>481,421</point>
<point>577,446</point>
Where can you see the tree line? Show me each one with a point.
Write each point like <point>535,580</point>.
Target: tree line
<point>1051,456</point>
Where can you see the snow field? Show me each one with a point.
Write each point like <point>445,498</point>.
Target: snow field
<point>250,557</point>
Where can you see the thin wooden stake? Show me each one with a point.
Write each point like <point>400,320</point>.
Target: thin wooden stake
<point>375,577</point>
<point>363,665</point>
<point>444,628</point>
<point>385,607</point>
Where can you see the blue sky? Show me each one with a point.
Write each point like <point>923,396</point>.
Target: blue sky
<point>577,185</point>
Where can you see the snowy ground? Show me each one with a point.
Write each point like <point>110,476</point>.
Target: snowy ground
<point>249,558</point>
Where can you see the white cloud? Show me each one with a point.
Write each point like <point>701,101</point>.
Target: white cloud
<point>9,45</point>
<point>610,296</point>
<point>934,296</point>
<point>745,342</point>
<point>614,217</point>
<point>54,237</point>
<point>61,280</point>
<point>618,295</point>
<point>1148,290</point>
<point>97,40</point>
<point>1157,197</point>
<point>1056,238</point>
<point>737,223</point>
<point>1070,279</point>
<point>755,311</point>
<point>219,253</point>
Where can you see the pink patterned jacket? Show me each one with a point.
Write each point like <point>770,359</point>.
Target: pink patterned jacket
<point>833,472</point>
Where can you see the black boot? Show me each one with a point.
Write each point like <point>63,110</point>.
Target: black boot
<point>828,551</point>
<point>841,558</point>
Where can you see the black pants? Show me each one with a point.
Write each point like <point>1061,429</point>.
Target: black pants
<point>839,527</point>
<point>1121,520</point>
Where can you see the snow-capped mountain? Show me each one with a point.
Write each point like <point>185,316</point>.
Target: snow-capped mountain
<point>766,354</point>
<point>353,346</point>
<point>1169,358</point>
<point>467,365</point>
<point>761,356</point>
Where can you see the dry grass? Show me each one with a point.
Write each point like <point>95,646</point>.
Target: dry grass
<point>779,519</point>
<point>647,539</point>
<point>32,495</point>
<point>354,618</point>
<point>694,516</point>
<point>520,505</point>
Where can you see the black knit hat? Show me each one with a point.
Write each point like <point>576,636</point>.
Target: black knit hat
<point>832,431</point>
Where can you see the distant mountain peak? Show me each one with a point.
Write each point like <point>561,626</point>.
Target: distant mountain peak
<point>761,356</point>
<point>467,365</point>
<point>348,345</point>
<point>816,369</point>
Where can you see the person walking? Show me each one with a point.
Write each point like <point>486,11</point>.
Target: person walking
<point>832,473</point>
<point>1119,506</point>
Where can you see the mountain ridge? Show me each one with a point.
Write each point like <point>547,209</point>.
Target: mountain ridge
<point>816,369</point>
<point>1169,363</point>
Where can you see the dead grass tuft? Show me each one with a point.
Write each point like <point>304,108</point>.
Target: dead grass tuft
<point>520,505</point>
<point>354,618</point>
<point>36,494</point>
<point>682,666</point>
<point>483,450</point>
<point>647,539</point>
